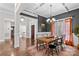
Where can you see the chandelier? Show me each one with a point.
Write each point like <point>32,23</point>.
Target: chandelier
<point>51,18</point>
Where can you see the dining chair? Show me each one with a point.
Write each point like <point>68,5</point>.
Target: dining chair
<point>60,42</point>
<point>41,44</point>
<point>53,48</point>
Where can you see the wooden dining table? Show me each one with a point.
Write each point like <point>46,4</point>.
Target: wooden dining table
<point>46,41</point>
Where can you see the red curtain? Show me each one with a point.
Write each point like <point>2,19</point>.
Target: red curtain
<point>52,24</point>
<point>68,32</point>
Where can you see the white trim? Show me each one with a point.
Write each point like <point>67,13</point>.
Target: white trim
<point>2,40</point>
<point>17,6</point>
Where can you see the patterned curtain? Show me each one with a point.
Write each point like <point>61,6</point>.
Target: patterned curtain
<point>52,28</point>
<point>63,27</point>
<point>68,32</point>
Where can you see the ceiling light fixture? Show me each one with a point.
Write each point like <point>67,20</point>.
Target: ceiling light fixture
<point>51,17</point>
<point>48,20</point>
<point>22,19</point>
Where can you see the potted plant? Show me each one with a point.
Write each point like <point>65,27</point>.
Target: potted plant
<point>76,31</point>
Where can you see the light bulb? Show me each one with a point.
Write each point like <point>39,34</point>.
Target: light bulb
<point>48,20</point>
<point>22,19</point>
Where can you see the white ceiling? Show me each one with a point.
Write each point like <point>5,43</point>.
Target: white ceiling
<point>43,9</point>
<point>7,9</point>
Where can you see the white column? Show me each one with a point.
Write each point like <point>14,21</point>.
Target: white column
<point>16,31</point>
<point>1,30</point>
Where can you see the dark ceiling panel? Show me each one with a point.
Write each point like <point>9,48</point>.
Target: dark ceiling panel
<point>28,15</point>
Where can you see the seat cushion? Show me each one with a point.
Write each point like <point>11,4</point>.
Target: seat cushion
<point>52,46</point>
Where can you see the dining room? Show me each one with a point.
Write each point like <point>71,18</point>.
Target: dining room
<point>47,29</point>
<point>39,29</point>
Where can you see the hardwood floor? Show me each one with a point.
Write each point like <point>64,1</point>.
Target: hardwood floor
<point>68,51</point>
<point>6,49</point>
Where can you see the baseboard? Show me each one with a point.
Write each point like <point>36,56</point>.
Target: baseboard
<point>16,47</point>
<point>2,40</point>
<point>28,38</point>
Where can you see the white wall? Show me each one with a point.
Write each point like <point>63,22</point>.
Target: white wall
<point>28,21</point>
<point>22,31</point>
<point>23,26</point>
<point>5,25</point>
<point>1,29</point>
<point>43,34</point>
<point>75,39</point>
<point>5,28</point>
<point>31,21</point>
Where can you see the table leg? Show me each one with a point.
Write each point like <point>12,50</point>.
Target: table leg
<point>47,49</point>
<point>37,45</point>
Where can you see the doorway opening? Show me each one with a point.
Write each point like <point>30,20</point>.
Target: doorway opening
<point>32,34</point>
<point>12,35</point>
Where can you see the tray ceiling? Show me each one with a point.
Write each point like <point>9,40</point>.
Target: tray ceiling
<point>43,9</point>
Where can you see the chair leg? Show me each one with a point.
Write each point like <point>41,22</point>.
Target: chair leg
<point>56,50</point>
<point>52,52</point>
<point>61,47</point>
<point>47,51</point>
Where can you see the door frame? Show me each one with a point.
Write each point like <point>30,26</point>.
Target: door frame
<point>32,34</point>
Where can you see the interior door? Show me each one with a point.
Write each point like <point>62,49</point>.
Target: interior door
<point>32,34</point>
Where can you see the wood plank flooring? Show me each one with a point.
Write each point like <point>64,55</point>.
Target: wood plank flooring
<point>6,49</point>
